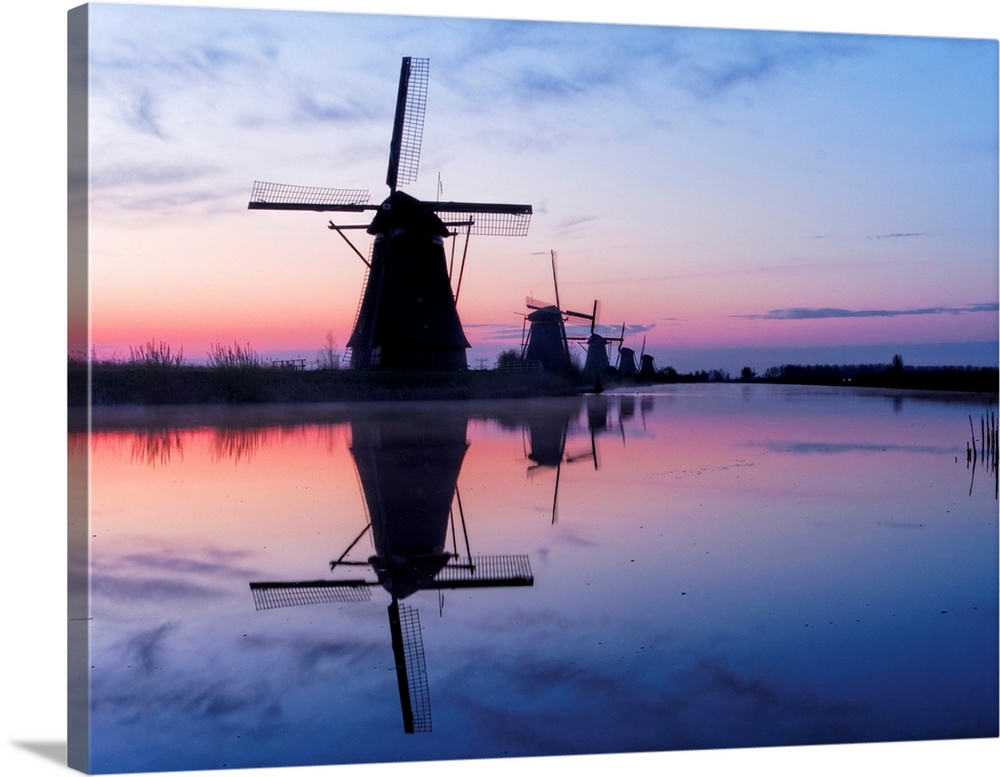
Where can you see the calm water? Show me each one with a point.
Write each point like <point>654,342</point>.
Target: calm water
<point>698,567</point>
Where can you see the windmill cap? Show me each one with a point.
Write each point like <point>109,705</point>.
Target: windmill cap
<point>404,212</point>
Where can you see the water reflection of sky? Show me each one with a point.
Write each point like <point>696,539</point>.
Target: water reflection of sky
<point>713,567</point>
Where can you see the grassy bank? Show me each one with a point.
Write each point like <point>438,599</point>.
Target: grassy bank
<point>124,384</point>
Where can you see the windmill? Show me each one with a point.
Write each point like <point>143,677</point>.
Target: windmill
<point>644,371</point>
<point>598,346</point>
<point>407,316</point>
<point>647,367</point>
<point>626,362</point>
<point>546,341</point>
<point>408,473</point>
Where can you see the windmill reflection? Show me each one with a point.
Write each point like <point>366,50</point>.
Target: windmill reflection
<point>408,467</point>
<point>558,436</point>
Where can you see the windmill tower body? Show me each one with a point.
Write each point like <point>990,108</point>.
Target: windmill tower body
<point>547,339</point>
<point>597,354</point>
<point>407,317</point>
<point>626,363</point>
<point>647,369</point>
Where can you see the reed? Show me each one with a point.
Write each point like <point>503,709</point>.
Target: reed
<point>155,355</point>
<point>985,450</point>
<point>235,356</point>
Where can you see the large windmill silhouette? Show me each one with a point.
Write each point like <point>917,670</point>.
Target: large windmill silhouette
<point>407,316</point>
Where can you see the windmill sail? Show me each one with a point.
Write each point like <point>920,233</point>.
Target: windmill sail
<point>282,196</point>
<point>411,669</point>
<point>408,124</point>
<point>483,218</point>
<point>270,595</point>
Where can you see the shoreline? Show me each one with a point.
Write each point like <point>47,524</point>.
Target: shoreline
<point>109,386</point>
<point>190,386</point>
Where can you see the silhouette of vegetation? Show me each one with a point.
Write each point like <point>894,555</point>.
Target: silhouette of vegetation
<point>329,356</point>
<point>509,360</point>
<point>154,355</point>
<point>985,451</point>
<point>234,357</point>
<point>894,375</point>
<point>154,374</point>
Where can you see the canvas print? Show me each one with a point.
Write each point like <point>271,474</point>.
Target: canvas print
<point>448,388</point>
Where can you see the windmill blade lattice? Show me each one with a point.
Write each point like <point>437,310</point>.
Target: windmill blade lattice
<point>269,596</point>
<point>408,125</point>
<point>484,218</point>
<point>282,196</point>
<point>484,572</point>
<point>411,668</point>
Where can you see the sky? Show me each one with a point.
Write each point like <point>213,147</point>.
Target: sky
<point>731,197</point>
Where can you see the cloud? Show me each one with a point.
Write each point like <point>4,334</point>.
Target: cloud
<point>163,574</point>
<point>748,63</point>
<point>151,174</point>
<point>802,314</point>
<point>181,565</point>
<point>141,115</point>
<point>146,647</point>
<point>568,225</point>
<point>893,235</point>
<point>121,588</point>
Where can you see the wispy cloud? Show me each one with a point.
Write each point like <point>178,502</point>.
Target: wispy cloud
<point>146,647</point>
<point>158,575</point>
<point>800,314</point>
<point>140,114</point>
<point>148,174</point>
<point>747,63</point>
<point>186,565</point>
<point>315,107</point>
<point>569,225</point>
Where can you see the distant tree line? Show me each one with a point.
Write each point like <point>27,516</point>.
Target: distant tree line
<point>893,375</point>
<point>670,375</point>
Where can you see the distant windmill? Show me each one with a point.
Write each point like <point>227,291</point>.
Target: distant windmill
<point>626,362</point>
<point>546,341</point>
<point>407,316</point>
<point>598,360</point>
<point>646,369</point>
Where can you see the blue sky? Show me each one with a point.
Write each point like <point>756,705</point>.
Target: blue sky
<point>719,191</point>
